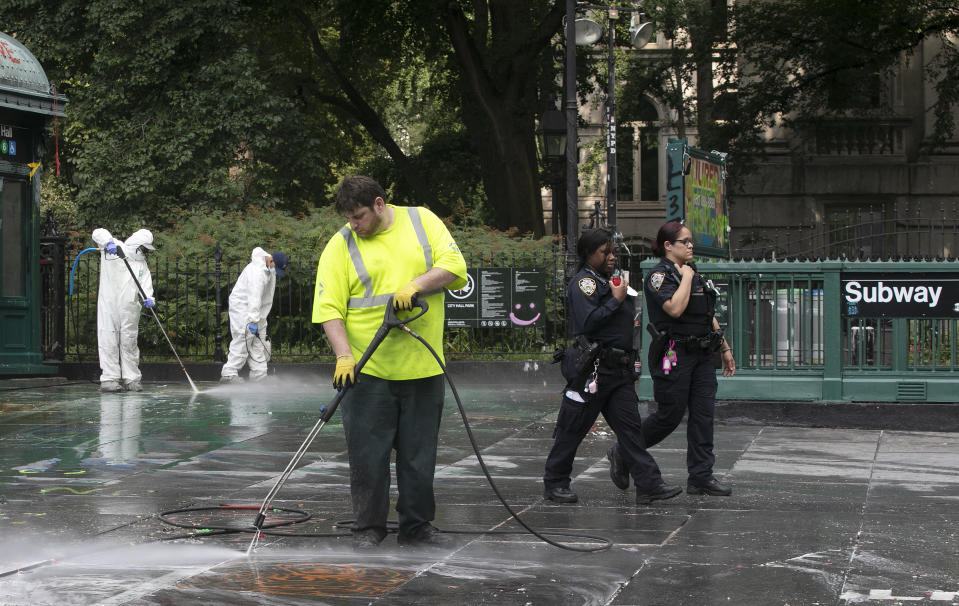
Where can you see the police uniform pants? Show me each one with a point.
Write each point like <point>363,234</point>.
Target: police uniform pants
<point>379,416</point>
<point>690,385</point>
<point>616,399</point>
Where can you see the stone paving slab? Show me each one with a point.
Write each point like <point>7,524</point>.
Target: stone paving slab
<point>828,515</point>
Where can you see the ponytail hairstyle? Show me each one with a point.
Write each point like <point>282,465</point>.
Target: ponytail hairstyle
<point>590,241</point>
<point>667,233</point>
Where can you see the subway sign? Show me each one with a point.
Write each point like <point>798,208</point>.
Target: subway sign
<point>873,295</point>
<point>15,144</point>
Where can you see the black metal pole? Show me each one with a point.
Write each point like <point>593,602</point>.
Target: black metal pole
<point>611,172</point>
<point>572,146</point>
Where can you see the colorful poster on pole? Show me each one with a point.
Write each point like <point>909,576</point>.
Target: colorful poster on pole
<point>696,195</point>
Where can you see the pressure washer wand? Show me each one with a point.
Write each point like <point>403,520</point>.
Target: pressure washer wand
<point>390,320</point>
<point>123,256</point>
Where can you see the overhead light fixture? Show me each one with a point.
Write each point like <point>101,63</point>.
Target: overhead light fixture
<point>587,32</point>
<point>640,33</point>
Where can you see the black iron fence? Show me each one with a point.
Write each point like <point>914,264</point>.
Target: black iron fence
<point>918,230</point>
<point>192,294</point>
<point>192,299</point>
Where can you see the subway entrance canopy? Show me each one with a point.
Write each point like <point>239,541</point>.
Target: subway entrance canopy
<point>27,103</point>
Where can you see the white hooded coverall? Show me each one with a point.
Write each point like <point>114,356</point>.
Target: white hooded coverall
<point>250,301</point>
<point>119,305</point>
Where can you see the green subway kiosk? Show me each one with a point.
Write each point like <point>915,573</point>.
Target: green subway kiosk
<point>27,103</point>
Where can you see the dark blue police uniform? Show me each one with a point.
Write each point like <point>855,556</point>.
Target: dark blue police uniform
<point>596,314</point>
<point>691,383</point>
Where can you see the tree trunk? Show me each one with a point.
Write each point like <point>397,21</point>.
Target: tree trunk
<point>498,61</point>
<point>510,171</point>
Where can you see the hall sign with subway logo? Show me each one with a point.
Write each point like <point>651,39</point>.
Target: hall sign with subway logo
<point>869,295</point>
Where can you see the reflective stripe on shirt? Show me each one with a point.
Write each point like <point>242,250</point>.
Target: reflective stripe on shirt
<point>369,299</point>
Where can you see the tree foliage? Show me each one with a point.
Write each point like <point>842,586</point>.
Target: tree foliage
<point>786,62</point>
<point>220,104</point>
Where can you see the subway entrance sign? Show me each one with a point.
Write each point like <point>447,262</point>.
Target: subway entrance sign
<point>696,195</point>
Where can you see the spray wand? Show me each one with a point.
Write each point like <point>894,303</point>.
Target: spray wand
<point>390,320</point>
<point>143,295</point>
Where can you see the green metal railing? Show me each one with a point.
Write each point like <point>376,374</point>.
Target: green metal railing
<point>791,340</point>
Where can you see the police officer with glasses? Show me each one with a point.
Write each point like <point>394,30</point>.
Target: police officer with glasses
<point>681,306</point>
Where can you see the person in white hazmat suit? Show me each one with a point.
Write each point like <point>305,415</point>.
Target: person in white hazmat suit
<point>118,308</point>
<point>250,304</point>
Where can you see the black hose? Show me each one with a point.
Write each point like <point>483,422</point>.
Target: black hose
<point>391,321</point>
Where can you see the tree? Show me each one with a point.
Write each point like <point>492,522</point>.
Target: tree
<point>224,103</point>
<point>164,104</point>
<point>802,59</point>
<point>789,61</point>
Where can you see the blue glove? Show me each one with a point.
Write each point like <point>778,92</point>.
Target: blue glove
<point>111,248</point>
<point>149,302</point>
<point>254,328</point>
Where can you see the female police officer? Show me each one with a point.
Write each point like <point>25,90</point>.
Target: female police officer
<point>680,303</point>
<point>601,312</point>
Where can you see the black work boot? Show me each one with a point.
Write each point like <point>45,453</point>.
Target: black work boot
<point>660,493</point>
<point>560,494</point>
<point>712,488</point>
<point>618,472</point>
<point>426,535</point>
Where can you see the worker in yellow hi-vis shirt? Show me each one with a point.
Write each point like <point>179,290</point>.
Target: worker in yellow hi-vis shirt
<point>397,400</point>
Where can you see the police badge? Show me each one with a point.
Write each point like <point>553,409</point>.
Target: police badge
<point>587,285</point>
<point>656,280</point>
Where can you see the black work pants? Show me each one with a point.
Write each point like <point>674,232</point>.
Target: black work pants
<point>616,399</point>
<point>378,416</point>
<point>690,385</point>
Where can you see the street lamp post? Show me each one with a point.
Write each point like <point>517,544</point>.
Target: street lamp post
<point>572,139</point>
<point>611,170</point>
<point>553,129</point>
<point>590,32</point>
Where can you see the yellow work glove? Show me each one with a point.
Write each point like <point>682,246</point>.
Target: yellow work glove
<point>343,373</point>
<point>403,298</point>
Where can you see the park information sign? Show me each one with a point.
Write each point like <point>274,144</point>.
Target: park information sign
<point>875,295</point>
<point>696,195</point>
<point>498,297</point>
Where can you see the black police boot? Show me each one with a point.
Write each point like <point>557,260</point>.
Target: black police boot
<point>560,494</point>
<point>618,472</point>
<point>660,493</point>
<point>712,488</point>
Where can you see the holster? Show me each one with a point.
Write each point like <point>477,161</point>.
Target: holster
<point>578,358</point>
<point>657,347</point>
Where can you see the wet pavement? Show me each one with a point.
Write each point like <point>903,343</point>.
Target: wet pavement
<point>818,515</point>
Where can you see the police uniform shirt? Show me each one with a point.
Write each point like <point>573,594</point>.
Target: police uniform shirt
<point>596,313</point>
<point>660,286</point>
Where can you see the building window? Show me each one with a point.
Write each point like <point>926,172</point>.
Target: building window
<point>637,147</point>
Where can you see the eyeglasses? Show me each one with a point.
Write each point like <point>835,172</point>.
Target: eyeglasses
<point>686,241</point>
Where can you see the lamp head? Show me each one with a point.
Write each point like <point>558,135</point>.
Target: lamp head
<point>587,32</point>
<point>640,33</point>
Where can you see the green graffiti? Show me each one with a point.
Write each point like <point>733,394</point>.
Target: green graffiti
<point>67,488</point>
<point>701,220</point>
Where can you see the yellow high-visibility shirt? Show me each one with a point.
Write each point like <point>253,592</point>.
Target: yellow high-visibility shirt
<point>389,260</point>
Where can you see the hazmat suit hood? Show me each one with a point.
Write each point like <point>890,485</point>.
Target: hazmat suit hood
<point>142,237</point>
